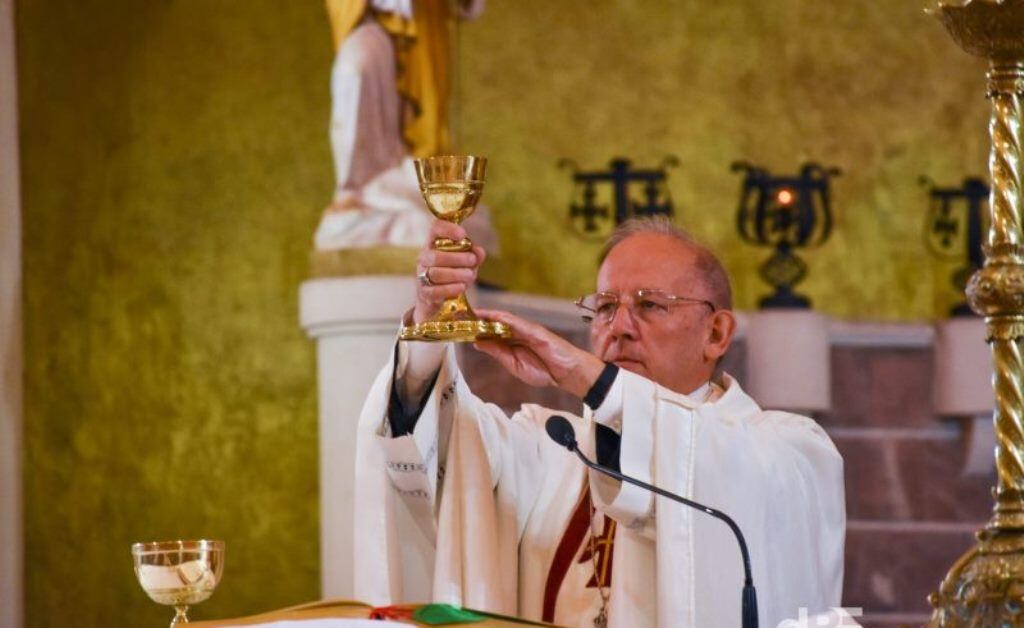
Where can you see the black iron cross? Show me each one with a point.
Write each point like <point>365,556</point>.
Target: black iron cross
<point>945,225</point>
<point>656,199</point>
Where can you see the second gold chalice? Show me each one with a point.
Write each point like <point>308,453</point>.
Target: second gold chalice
<point>451,186</point>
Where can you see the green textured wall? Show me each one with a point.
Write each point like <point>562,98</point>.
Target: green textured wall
<point>175,159</point>
<point>876,88</point>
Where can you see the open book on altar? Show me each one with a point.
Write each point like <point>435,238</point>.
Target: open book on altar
<point>347,613</point>
<point>327,623</point>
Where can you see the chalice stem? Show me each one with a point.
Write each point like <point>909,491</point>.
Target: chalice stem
<point>456,309</point>
<point>180,615</point>
<point>453,246</point>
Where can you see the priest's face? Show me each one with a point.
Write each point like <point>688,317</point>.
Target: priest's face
<point>676,346</point>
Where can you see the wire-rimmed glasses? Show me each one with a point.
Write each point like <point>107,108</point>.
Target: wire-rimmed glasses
<point>644,304</point>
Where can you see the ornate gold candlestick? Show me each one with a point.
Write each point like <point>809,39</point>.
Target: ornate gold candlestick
<point>985,587</point>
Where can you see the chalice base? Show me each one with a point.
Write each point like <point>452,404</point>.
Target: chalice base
<point>455,322</point>
<point>455,331</point>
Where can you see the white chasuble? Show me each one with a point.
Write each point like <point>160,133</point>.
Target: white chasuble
<point>479,509</point>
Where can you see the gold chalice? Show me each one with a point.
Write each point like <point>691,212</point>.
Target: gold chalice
<point>451,187</point>
<point>179,573</point>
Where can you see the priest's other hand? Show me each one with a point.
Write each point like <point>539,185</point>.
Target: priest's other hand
<point>540,357</point>
<point>447,274</point>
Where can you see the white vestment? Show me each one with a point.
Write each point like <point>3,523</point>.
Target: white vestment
<point>470,507</point>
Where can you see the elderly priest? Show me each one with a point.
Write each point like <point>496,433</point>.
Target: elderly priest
<point>459,503</point>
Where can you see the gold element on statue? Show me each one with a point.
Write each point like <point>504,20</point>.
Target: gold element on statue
<point>423,82</point>
<point>451,187</point>
<point>985,587</point>
<point>179,573</point>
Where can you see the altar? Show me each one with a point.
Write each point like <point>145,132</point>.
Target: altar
<point>360,615</point>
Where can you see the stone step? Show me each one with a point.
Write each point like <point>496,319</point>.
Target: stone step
<point>892,567</point>
<point>911,475</point>
<point>893,620</point>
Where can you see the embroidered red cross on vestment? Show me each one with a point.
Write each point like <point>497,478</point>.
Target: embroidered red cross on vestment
<point>576,534</point>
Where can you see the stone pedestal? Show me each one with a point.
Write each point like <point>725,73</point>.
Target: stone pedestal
<point>788,360</point>
<point>963,386</point>
<point>963,368</point>
<point>354,321</point>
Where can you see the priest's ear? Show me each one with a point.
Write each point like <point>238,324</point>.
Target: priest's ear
<point>720,330</point>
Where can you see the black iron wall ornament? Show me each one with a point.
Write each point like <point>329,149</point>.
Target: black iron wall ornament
<point>787,213</point>
<point>652,198</point>
<point>947,218</point>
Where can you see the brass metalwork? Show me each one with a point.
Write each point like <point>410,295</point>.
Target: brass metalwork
<point>451,186</point>
<point>985,587</point>
<point>179,573</point>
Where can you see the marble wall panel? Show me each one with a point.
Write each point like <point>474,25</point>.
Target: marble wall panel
<point>881,387</point>
<point>898,478</point>
<point>894,568</point>
<point>931,474</point>
<point>873,486</point>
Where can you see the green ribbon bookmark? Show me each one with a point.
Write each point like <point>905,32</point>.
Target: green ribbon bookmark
<point>438,614</point>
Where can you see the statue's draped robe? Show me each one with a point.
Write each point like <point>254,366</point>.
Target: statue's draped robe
<point>421,60</point>
<point>389,99</point>
<point>470,507</point>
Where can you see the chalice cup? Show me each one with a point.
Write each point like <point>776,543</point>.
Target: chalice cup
<point>179,573</point>
<point>451,186</point>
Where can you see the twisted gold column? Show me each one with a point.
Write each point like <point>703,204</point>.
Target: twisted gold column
<point>996,291</point>
<point>1004,236</point>
<point>985,587</point>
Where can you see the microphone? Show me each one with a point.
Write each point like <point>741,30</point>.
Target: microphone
<point>560,431</point>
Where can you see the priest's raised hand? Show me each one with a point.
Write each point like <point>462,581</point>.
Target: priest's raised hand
<point>442,274</point>
<point>539,357</point>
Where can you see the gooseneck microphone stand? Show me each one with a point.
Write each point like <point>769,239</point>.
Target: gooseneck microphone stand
<point>560,431</point>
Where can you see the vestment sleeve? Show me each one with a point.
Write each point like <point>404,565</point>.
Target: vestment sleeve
<point>410,436</point>
<point>780,478</point>
<point>417,460</point>
<point>629,409</point>
<point>415,367</point>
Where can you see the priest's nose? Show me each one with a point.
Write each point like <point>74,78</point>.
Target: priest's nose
<point>623,325</point>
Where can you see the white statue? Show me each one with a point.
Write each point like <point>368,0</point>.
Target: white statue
<point>389,105</point>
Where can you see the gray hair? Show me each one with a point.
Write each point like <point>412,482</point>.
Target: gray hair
<point>707,264</point>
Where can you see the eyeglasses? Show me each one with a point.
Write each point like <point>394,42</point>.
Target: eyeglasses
<point>645,305</point>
